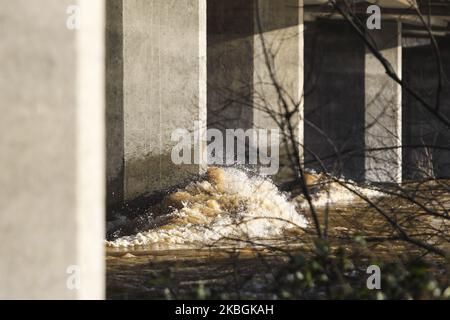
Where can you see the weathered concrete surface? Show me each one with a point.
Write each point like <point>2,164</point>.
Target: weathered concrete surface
<point>52,181</point>
<point>278,64</point>
<point>427,142</point>
<point>246,39</point>
<point>230,64</point>
<point>114,102</point>
<point>161,69</point>
<point>334,99</point>
<point>383,107</point>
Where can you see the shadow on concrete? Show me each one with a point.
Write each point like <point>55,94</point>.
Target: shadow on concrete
<point>114,103</point>
<point>427,142</point>
<point>334,99</point>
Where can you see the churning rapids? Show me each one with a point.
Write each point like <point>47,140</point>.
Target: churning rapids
<point>232,205</point>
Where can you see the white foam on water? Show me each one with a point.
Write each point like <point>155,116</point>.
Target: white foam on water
<point>228,205</point>
<point>338,193</point>
<point>231,205</point>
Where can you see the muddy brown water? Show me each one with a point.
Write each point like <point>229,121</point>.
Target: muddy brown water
<point>162,272</point>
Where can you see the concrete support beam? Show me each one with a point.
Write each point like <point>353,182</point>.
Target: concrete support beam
<point>278,63</point>
<point>161,72</point>
<point>52,199</point>
<point>383,107</point>
<point>247,40</point>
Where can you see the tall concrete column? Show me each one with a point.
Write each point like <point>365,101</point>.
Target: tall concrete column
<point>334,99</point>
<point>278,63</point>
<point>52,159</point>
<point>159,69</point>
<point>253,47</point>
<point>383,107</point>
<point>230,64</point>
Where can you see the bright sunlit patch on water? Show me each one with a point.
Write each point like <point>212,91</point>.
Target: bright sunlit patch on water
<point>231,205</point>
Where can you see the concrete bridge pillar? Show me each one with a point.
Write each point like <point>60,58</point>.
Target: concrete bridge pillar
<point>156,83</point>
<point>278,64</point>
<point>254,48</point>
<point>352,108</point>
<point>383,107</point>
<point>334,99</point>
<point>52,158</point>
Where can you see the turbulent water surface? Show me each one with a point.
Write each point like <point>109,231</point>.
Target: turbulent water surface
<point>215,231</point>
<point>232,205</point>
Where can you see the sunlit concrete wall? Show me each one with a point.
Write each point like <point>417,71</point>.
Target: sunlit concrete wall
<point>52,150</point>
<point>156,83</point>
